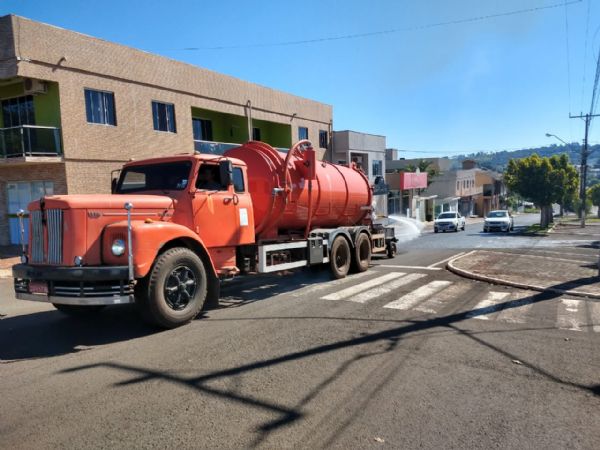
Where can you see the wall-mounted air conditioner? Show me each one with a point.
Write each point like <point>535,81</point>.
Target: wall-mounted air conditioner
<point>32,86</point>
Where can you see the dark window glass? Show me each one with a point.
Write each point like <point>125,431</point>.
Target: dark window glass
<point>155,177</point>
<point>202,129</point>
<point>209,178</point>
<point>18,111</point>
<point>163,117</point>
<point>323,139</point>
<point>100,107</point>
<point>238,180</point>
<point>256,134</point>
<point>302,133</point>
<point>377,167</point>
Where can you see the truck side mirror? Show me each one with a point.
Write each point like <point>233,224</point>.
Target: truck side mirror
<point>226,172</point>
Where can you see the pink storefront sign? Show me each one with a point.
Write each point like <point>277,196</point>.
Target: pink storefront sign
<point>409,180</point>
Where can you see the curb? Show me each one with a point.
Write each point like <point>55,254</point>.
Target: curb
<point>465,273</point>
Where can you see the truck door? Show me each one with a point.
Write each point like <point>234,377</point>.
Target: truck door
<point>216,217</point>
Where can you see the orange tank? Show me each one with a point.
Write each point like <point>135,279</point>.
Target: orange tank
<point>304,193</point>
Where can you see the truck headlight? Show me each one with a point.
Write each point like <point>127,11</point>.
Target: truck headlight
<point>118,247</point>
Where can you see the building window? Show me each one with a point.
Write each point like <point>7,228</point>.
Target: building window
<point>457,185</point>
<point>323,139</point>
<point>302,133</point>
<point>256,134</point>
<point>100,107</point>
<point>377,167</point>
<point>202,129</point>
<point>18,111</point>
<point>163,115</point>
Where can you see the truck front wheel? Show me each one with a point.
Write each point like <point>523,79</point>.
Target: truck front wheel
<point>340,257</point>
<point>176,289</point>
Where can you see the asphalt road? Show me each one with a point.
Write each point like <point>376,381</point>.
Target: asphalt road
<point>405,355</point>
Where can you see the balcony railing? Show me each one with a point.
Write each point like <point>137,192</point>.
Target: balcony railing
<point>218,148</point>
<point>29,140</point>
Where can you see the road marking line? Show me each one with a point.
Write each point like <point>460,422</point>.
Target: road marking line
<point>409,300</point>
<point>569,315</point>
<point>489,305</point>
<point>446,260</point>
<point>595,316</point>
<point>408,267</point>
<point>327,284</point>
<point>437,302</point>
<point>389,287</point>
<point>518,308</point>
<point>362,287</point>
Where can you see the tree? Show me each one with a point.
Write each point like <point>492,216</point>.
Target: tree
<point>567,180</point>
<point>594,195</point>
<point>536,179</point>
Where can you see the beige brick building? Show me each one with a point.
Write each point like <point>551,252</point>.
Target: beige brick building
<point>74,108</point>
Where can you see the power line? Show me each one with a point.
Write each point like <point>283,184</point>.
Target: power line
<point>384,32</point>
<point>587,29</point>
<point>568,56</point>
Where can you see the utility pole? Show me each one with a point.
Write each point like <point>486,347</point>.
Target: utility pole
<point>583,168</point>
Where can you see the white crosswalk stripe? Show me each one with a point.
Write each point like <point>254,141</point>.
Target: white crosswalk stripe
<point>424,292</point>
<point>437,302</point>
<point>352,290</point>
<point>489,305</point>
<point>595,316</point>
<point>517,310</point>
<point>570,314</point>
<point>324,286</point>
<point>386,289</point>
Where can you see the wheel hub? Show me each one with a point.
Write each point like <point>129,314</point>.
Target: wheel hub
<point>180,288</point>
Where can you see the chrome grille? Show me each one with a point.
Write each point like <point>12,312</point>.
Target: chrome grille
<point>37,237</point>
<point>55,219</point>
<point>54,233</point>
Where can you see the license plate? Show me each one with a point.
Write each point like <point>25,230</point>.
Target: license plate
<point>38,287</point>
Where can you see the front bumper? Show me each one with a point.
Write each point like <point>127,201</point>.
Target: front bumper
<point>100,285</point>
<point>445,227</point>
<point>496,227</point>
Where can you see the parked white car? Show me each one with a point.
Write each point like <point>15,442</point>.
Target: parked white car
<point>449,221</point>
<point>500,220</point>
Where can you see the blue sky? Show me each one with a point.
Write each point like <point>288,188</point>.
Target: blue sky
<point>492,84</point>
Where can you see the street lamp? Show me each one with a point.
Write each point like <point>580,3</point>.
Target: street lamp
<point>555,136</point>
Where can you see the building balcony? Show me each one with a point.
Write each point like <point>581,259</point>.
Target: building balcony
<point>30,143</point>
<point>218,148</point>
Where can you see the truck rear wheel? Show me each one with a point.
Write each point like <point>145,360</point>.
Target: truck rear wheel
<point>362,253</point>
<point>177,288</point>
<point>340,257</point>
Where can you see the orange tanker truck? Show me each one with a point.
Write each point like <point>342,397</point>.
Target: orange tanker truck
<point>174,227</point>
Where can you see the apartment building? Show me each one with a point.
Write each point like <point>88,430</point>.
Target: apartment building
<point>75,108</point>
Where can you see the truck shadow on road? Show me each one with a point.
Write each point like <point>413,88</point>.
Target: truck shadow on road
<point>390,340</point>
<point>51,333</point>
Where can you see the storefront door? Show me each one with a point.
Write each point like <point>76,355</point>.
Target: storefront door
<point>20,194</point>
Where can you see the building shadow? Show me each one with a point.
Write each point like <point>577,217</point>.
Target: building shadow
<point>52,333</point>
<point>391,338</point>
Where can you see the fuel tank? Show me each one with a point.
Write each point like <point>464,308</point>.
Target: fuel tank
<point>304,193</point>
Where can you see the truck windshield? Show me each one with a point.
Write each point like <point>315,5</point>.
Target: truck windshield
<point>155,177</point>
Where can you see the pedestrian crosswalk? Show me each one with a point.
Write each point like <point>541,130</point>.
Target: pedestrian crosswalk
<point>426,293</point>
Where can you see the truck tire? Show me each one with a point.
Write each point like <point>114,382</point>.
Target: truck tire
<point>340,257</point>
<point>78,310</point>
<point>392,249</point>
<point>362,253</point>
<point>176,289</point>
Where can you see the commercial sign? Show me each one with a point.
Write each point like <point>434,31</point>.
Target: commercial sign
<point>412,180</point>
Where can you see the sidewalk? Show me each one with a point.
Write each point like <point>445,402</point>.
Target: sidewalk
<point>569,270</point>
<point>9,256</point>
